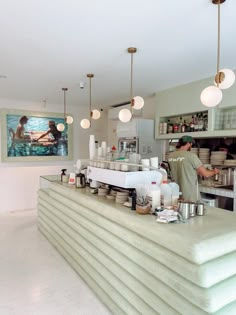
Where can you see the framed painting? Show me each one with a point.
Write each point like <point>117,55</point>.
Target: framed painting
<point>33,136</point>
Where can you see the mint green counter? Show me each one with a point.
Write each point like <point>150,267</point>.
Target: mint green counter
<point>136,265</point>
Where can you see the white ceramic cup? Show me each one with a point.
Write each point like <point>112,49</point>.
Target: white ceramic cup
<point>117,166</point>
<point>124,167</point>
<point>145,162</point>
<point>154,161</point>
<point>112,166</point>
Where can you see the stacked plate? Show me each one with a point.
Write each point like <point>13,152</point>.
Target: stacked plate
<point>122,196</point>
<point>230,162</point>
<point>218,157</point>
<point>194,150</point>
<point>204,155</point>
<point>102,191</point>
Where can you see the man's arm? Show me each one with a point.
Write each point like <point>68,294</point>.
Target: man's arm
<point>207,173</point>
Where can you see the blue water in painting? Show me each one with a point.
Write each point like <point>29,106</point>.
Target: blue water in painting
<point>33,148</point>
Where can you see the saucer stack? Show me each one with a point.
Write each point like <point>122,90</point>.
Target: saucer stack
<point>218,157</point>
<point>102,191</point>
<point>122,196</point>
<point>204,155</point>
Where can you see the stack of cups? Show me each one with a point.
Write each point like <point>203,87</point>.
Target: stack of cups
<point>92,147</point>
<point>154,162</point>
<point>104,148</point>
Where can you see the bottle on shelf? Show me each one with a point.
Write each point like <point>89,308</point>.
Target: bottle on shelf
<point>196,122</point>
<point>205,122</point>
<point>200,123</point>
<point>184,127</point>
<point>180,124</point>
<point>169,127</point>
<point>176,127</point>
<point>191,125</point>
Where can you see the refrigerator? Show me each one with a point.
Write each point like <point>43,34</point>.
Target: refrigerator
<point>138,136</point>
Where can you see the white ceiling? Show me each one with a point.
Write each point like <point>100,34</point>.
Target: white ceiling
<point>47,45</point>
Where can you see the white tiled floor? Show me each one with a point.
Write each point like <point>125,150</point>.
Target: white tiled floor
<point>34,278</point>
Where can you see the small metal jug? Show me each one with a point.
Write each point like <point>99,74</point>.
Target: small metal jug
<point>80,181</point>
<point>192,209</point>
<point>184,210</point>
<point>200,209</point>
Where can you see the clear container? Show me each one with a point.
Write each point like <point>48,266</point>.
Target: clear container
<point>155,194</point>
<point>165,194</point>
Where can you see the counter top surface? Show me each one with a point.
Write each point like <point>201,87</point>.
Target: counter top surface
<point>201,239</point>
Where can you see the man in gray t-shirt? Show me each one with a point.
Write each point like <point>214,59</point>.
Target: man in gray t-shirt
<point>185,167</point>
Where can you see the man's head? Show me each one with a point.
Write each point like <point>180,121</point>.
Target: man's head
<point>185,143</point>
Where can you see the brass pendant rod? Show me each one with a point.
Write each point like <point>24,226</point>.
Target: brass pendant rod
<point>64,89</point>
<point>131,80</point>
<point>218,47</point>
<point>131,50</point>
<point>90,101</point>
<point>90,76</point>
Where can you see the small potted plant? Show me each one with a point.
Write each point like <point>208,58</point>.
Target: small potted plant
<point>142,205</point>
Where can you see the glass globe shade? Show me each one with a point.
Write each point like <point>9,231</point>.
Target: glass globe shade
<point>125,115</point>
<point>60,127</point>
<point>211,96</point>
<point>69,120</point>
<point>138,102</point>
<point>85,123</point>
<point>96,114</point>
<point>228,80</point>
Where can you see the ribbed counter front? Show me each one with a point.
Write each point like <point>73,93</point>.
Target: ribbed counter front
<point>138,266</point>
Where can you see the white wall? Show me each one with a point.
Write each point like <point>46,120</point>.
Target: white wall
<point>19,182</point>
<point>186,98</point>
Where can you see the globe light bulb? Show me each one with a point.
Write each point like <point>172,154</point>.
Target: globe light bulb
<point>138,102</point>
<point>85,123</point>
<point>61,127</point>
<point>69,120</point>
<point>229,79</point>
<point>96,114</point>
<point>125,115</point>
<point>211,96</point>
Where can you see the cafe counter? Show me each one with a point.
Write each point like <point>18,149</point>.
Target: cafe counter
<point>136,265</point>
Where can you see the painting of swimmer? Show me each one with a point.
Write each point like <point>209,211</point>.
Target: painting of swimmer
<point>34,137</point>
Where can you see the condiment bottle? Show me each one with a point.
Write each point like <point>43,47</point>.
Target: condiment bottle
<point>64,177</point>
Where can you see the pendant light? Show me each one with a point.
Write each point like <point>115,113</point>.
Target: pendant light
<point>67,119</point>
<point>136,102</point>
<point>94,114</point>
<point>212,95</point>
